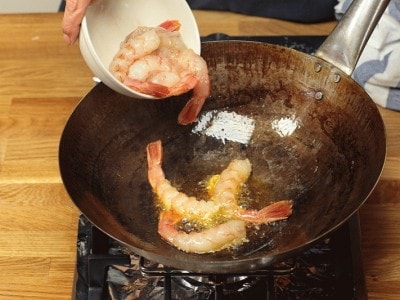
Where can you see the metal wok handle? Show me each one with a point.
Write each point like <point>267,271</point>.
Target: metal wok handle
<point>345,44</point>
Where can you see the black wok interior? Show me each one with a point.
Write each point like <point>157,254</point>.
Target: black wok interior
<point>328,165</point>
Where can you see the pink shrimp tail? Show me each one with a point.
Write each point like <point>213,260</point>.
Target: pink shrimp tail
<point>190,111</point>
<point>171,25</point>
<point>155,173</point>
<point>148,88</point>
<point>274,212</point>
<point>187,83</point>
<point>193,107</point>
<point>166,225</point>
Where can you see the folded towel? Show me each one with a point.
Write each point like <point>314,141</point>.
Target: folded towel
<point>378,69</point>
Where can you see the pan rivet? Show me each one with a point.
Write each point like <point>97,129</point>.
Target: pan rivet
<point>336,78</point>
<point>317,68</point>
<point>319,95</point>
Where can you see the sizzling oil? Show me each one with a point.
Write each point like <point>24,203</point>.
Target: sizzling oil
<point>251,195</point>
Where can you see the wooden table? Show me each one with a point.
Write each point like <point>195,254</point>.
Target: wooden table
<point>42,80</point>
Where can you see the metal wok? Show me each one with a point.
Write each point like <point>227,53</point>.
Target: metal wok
<point>328,159</point>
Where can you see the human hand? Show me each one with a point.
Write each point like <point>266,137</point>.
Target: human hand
<point>74,12</point>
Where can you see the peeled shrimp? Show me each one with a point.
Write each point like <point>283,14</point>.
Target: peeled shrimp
<point>155,61</point>
<point>224,193</point>
<point>218,235</point>
<point>230,180</point>
<point>216,238</point>
<point>169,196</point>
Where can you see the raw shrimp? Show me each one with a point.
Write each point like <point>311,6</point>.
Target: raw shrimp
<point>201,91</point>
<point>224,192</point>
<point>143,41</point>
<point>155,61</point>
<point>219,237</point>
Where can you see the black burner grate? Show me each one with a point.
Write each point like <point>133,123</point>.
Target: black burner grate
<point>328,270</point>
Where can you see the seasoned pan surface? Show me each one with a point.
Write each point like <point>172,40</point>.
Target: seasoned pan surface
<point>317,139</point>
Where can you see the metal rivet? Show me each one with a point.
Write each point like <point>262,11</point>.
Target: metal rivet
<point>336,78</point>
<point>319,95</point>
<point>317,68</point>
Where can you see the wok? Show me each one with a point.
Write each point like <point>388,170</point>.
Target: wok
<point>318,139</point>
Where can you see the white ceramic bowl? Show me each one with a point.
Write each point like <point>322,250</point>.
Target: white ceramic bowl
<point>108,22</point>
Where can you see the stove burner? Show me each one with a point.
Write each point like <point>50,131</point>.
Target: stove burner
<point>328,270</point>
<point>236,284</point>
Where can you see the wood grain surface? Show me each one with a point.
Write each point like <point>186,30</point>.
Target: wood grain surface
<point>42,80</point>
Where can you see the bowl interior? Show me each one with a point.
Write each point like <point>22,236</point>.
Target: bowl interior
<point>108,22</point>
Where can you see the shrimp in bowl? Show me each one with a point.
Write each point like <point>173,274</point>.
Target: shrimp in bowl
<point>219,222</point>
<point>156,62</point>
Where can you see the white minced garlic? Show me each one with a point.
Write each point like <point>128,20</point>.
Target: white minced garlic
<point>225,126</point>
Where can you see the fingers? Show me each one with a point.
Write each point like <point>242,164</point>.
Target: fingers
<point>74,12</point>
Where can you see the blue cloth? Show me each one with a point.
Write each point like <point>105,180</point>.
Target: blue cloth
<point>377,70</point>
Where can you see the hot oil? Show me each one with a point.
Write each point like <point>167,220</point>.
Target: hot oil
<point>254,194</point>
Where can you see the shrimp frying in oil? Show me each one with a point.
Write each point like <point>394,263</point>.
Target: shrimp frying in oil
<point>156,62</point>
<point>220,233</point>
<point>214,239</point>
<point>226,188</point>
<point>170,198</point>
<point>223,193</point>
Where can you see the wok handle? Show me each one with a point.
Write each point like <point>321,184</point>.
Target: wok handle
<point>343,47</point>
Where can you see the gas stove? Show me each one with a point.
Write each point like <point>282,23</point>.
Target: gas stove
<point>330,269</point>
